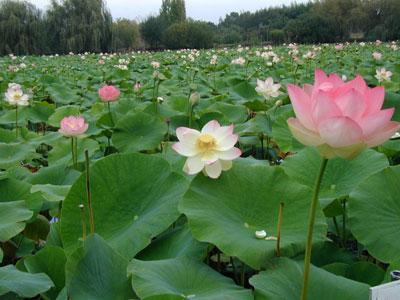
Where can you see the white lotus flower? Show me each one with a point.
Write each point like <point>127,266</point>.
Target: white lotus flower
<point>211,150</point>
<point>15,95</point>
<point>238,61</point>
<point>383,75</point>
<point>267,88</point>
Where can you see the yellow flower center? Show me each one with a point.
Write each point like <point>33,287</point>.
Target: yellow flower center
<point>206,142</point>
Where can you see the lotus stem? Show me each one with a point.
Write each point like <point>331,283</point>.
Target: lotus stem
<point>89,194</point>
<point>82,208</point>
<point>278,239</point>
<point>311,221</point>
<point>109,112</point>
<point>16,121</point>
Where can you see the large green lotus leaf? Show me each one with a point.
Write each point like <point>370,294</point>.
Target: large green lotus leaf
<point>61,154</point>
<point>12,217</point>
<point>1,255</point>
<point>58,174</point>
<point>51,261</point>
<point>135,198</point>
<point>95,271</point>
<point>227,212</point>
<point>50,192</point>
<point>62,94</point>
<point>233,113</point>
<point>341,176</point>
<point>14,153</point>
<point>139,131</point>
<point>175,243</point>
<point>13,190</point>
<point>182,278</point>
<point>25,285</point>
<point>374,214</point>
<point>283,280</point>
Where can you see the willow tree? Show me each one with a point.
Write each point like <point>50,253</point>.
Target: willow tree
<point>79,26</point>
<point>21,28</point>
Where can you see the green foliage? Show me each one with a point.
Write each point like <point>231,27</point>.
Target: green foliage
<point>125,35</point>
<point>21,28</point>
<point>173,11</point>
<point>190,34</point>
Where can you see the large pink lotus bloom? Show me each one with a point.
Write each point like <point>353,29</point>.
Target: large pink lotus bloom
<point>73,126</point>
<point>340,118</point>
<point>211,150</point>
<point>109,93</point>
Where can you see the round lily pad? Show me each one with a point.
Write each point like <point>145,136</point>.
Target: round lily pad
<point>227,212</point>
<point>135,198</point>
<point>374,214</point>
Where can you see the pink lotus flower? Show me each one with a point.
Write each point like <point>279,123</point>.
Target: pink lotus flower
<point>73,126</point>
<point>211,150</point>
<point>109,93</point>
<point>339,46</point>
<point>340,118</point>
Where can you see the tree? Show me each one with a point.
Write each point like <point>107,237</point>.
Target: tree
<point>79,26</point>
<point>21,28</point>
<point>125,35</point>
<point>152,30</point>
<point>173,11</point>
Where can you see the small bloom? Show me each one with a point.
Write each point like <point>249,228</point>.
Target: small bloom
<point>383,75</point>
<point>155,64</point>
<point>339,46</point>
<point>15,95</point>
<point>238,61</point>
<point>377,55</point>
<point>109,93</point>
<point>340,118</point>
<point>211,150</point>
<point>267,88</point>
<point>73,126</point>
<point>137,86</point>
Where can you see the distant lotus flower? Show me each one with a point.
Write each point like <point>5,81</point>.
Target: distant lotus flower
<point>155,64</point>
<point>339,46</point>
<point>339,118</point>
<point>267,88</point>
<point>73,126</point>
<point>383,75</point>
<point>211,150</point>
<point>238,61</point>
<point>377,55</point>
<point>137,86</point>
<point>109,93</point>
<point>15,95</point>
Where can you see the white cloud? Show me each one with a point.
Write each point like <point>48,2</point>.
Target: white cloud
<point>208,10</point>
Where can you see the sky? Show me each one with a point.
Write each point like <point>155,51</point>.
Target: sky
<point>207,10</point>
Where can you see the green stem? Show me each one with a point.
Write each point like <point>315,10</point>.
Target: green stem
<point>344,224</point>
<point>16,121</point>
<point>311,221</point>
<point>109,112</point>
<point>74,152</point>
<point>89,193</point>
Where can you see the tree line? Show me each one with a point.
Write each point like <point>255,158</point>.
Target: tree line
<point>87,25</point>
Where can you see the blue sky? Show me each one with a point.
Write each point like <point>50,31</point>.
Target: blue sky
<point>208,10</point>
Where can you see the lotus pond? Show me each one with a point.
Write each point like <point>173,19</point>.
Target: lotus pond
<point>190,174</point>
